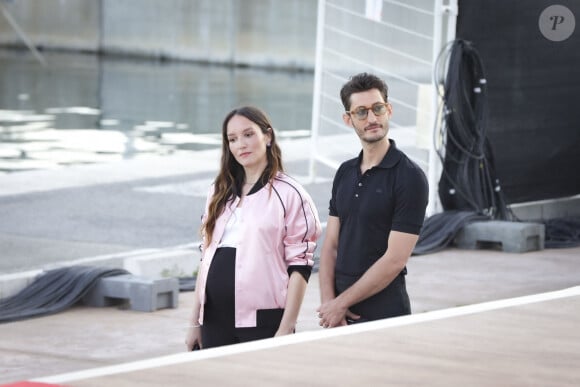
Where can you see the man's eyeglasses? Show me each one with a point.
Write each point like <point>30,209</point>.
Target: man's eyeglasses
<point>361,112</point>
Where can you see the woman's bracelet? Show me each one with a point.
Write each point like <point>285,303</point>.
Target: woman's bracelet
<point>194,326</point>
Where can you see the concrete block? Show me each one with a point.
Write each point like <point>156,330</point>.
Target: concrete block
<point>182,262</point>
<point>547,209</point>
<point>512,237</point>
<point>142,294</point>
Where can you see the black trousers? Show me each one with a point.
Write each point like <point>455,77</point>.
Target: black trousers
<point>392,301</point>
<point>219,311</point>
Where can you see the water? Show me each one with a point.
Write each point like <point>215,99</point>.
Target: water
<point>82,108</point>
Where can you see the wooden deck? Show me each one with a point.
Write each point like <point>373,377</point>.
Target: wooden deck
<point>525,341</point>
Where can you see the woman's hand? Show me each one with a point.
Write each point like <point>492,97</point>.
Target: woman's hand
<point>193,338</point>
<point>284,331</point>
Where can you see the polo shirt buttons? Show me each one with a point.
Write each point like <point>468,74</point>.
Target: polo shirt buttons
<point>360,185</point>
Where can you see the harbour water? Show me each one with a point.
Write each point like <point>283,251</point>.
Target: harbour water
<point>83,108</point>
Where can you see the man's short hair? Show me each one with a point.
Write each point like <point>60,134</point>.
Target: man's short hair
<point>359,83</point>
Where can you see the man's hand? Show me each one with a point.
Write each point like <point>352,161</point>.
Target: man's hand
<point>333,314</point>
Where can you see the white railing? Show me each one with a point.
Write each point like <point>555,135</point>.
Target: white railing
<point>398,42</point>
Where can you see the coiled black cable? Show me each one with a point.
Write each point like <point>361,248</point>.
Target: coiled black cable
<point>53,291</point>
<point>468,188</point>
<point>468,180</point>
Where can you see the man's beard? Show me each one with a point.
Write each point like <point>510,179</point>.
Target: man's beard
<point>374,139</point>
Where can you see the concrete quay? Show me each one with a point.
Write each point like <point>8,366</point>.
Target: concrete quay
<point>84,338</point>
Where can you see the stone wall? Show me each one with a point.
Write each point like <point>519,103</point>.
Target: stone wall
<point>265,33</point>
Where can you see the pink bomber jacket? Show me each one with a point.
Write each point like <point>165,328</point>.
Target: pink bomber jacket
<point>280,229</point>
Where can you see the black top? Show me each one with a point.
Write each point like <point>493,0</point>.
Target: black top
<point>390,196</point>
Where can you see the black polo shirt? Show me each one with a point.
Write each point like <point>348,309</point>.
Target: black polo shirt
<point>390,196</point>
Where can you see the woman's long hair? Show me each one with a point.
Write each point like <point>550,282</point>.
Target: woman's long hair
<point>229,181</point>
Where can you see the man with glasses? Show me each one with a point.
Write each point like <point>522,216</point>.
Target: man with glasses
<point>376,211</point>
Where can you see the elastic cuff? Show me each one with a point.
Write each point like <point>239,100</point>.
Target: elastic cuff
<point>304,271</point>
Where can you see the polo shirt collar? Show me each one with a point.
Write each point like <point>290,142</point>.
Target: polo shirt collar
<point>391,158</point>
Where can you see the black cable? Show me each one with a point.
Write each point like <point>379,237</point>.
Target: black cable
<point>468,181</point>
<point>562,232</point>
<point>53,291</point>
<point>440,230</point>
<point>469,189</point>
